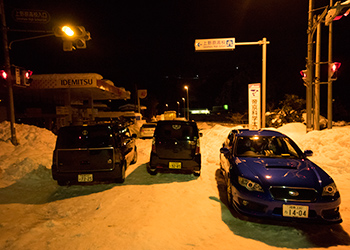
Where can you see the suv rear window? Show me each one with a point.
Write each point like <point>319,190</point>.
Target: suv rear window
<point>148,125</point>
<point>178,131</point>
<point>84,137</point>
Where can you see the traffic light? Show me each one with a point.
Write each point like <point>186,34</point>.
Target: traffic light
<point>337,11</point>
<point>72,36</point>
<point>26,74</point>
<point>303,73</point>
<point>64,31</point>
<point>3,77</point>
<point>3,74</point>
<point>81,37</point>
<point>333,70</point>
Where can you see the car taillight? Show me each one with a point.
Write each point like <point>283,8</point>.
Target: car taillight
<point>154,145</point>
<point>198,148</point>
<point>54,157</point>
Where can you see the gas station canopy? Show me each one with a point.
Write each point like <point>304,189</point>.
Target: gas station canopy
<point>80,85</point>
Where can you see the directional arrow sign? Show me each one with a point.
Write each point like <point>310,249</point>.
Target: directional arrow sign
<point>215,44</point>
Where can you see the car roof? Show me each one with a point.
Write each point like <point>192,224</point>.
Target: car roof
<point>150,124</point>
<point>260,132</point>
<point>176,122</point>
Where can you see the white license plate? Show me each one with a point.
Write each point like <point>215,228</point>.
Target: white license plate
<point>85,177</point>
<point>296,211</point>
<point>175,165</point>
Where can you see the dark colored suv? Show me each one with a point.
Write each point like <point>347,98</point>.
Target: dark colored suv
<point>176,147</point>
<point>97,153</point>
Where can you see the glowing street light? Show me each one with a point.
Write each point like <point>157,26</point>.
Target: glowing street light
<point>183,100</point>
<point>188,103</point>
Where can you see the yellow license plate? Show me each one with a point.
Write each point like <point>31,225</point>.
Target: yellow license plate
<point>85,177</point>
<point>175,165</point>
<point>296,211</point>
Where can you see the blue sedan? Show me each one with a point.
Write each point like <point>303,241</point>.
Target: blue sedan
<point>267,175</point>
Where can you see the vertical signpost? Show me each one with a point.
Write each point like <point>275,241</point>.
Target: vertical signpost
<point>254,103</point>
<point>7,65</point>
<point>229,44</point>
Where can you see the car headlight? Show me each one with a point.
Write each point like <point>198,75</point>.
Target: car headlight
<point>329,190</point>
<point>250,185</point>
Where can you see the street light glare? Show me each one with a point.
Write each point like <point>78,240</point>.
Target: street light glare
<point>68,31</point>
<point>186,87</point>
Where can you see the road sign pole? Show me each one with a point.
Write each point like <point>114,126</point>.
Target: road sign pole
<point>262,42</point>
<point>9,75</point>
<point>330,82</point>
<point>264,48</point>
<point>225,44</point>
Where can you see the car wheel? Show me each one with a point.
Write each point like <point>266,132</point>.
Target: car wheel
<point>122,177</point>
<point>151,171</point>
<point>61,183</point>
<point>197,173</point>
<point>221,170</point>
<point>229,192</point>
<point>134,160</point>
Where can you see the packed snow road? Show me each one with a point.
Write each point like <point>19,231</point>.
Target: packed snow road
<point>166,211</point>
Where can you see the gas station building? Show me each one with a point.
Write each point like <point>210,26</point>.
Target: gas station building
<point>56,100</point>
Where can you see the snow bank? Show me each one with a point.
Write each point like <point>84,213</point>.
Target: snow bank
<point>34,151</point>
<point>166,211</point>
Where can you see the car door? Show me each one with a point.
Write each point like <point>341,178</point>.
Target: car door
<point>225,158</point>
<point>127,144</point>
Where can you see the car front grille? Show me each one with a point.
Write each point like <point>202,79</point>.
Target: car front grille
<point>294,194</point>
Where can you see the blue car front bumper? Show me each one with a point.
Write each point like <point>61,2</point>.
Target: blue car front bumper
<point>263,205</point>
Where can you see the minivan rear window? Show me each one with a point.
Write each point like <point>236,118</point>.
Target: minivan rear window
<point>177,131</point>
<point>149,125</point>
<point>84,137</point>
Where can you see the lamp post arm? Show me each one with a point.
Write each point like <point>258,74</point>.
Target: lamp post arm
<point>29,38</point>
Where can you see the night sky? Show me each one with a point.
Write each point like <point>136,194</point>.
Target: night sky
<point>150,45</point>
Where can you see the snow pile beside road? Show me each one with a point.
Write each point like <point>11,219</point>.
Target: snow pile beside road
<point>33,152</point>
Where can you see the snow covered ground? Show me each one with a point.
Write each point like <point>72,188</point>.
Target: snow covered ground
<point>166,211</point>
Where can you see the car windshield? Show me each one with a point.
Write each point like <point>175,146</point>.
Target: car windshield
<point>84,137</point>
<point>176,131</point>
<point>267,146</point>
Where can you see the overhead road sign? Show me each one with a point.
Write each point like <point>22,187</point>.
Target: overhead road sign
<point>215,44</point>
<point>31,16</point>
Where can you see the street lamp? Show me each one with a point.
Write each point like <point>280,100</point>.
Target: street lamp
<point>178,108</point>
<point>188,103</point>
<point>183,100</point>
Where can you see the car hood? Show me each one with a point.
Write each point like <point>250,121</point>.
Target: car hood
<point>283,172</point>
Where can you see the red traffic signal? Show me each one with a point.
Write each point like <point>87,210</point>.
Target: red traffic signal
<point>333,69</point>
<point>335,66</point>
<point>28,74</point>
<point>303,73</point>
<point>3,74</point>
<point>337,11</point>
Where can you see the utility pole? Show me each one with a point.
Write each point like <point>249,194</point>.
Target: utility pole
<point>330,82</point>
<point>309,68</point>
<point>317,103</point>
<point>9,75</point>
<point>263,118</point>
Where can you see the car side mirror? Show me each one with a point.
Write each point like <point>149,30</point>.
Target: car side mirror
<point>224,151</point>
<point>308,152</point>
